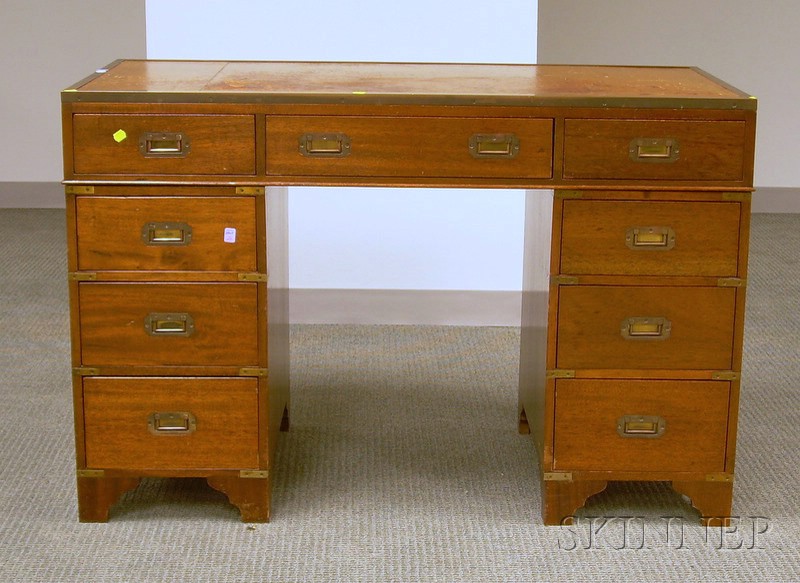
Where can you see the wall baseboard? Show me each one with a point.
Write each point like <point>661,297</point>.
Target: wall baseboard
<point>33,195</point>
<point>770,199</point>
<point>420,307</point>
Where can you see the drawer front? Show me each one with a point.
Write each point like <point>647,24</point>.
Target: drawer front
<point>654,150</point>
<point>164,324</point>
<point>650,238</point>
<point>166,233</point>
<point>628,425</point>
<point>164,144</point>
<point>171,423</point>
<point>409,147</point>
<point>631,327</point>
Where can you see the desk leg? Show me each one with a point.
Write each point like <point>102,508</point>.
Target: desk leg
<point>285,419</point>
<point>712,499</point>
<point>560,499</point>
<point>96,496</point>
<point>250,495</point>
<point>523,427</point>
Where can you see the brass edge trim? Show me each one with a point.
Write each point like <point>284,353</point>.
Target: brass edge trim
<point>557,476</point>
<point>560,373</point>
<point>250,190</point>
<point>719,81</point>
<point>253,277</point>
<point>254,474</point>
<point>725,375</point>
<point>90,473</point>
<point>731,282</point>
<point>253,372</point>
<point>407,99</point>
<point>719,477</point>
<point>81,276</point>
<point>563,279</point>
<point>737,196</point>
<point>85,371</point>
<point>73,189</point>
<point>102,70</point>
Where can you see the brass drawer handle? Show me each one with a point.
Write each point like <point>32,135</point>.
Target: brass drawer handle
<point>647,426</point>
<point>325,145</point>
<point>650,238</point>
<point>164,145</point>
<point>166,234</point>
<point>494,145</point>
<point>654,150</point>
<point>169,324</point>
<point>646,328</point>
<point>171,423</point>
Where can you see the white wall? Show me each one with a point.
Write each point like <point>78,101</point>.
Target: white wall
<point>752,45</point>
<point>375,238</point>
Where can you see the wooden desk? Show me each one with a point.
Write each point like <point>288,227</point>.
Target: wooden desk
<point>635,260</point>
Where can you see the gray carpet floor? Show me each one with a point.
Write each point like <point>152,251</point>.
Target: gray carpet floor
<point>403,462</point>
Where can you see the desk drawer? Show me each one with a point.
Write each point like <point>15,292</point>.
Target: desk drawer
<point>627,425</point>
<point>166,233</point>
<point>171,423</point>
<point>632,327</point>
<point>409,147</point>
<point>168,324</point>
<point>654,150</point>
<point>650,238</point>
<point>164,144</point>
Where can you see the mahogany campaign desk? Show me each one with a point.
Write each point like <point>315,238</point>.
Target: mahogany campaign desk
<point>635,259</point>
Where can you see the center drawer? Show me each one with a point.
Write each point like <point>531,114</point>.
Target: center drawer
<point>171,423</point>
<point>409,147</point>
<point>169,324</point>
<point>628,425</point>
<point>166,233</point>
<point>638,327</point>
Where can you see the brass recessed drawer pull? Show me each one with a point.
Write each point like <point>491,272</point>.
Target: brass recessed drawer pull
<point>325,145</point>
<point>641,426</point>
<point>650,238</point>
<point>494,145</point>
<point>166,234</point>
<point>169,324</point>
<point>646,328</point>
<point>654,150</point>
<point>171,423</point>
<point>164,145</point>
